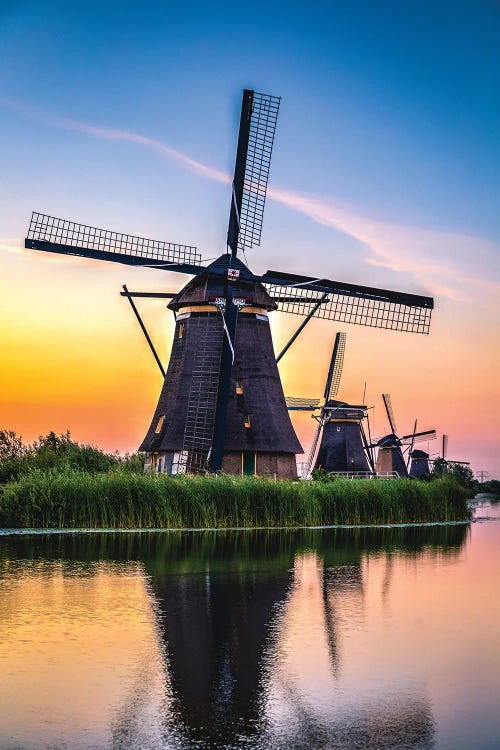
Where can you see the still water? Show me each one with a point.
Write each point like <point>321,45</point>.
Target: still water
<point>332,638</point>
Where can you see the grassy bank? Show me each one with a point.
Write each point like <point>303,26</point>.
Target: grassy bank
<point>69,499</point>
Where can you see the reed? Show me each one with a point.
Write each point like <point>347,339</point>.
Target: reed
<point>69,499</point>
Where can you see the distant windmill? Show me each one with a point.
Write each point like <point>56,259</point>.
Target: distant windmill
<point>444,452</point>
<point>390,456</point>
<point>343,446</point>
<point>222,404</point>
<point>419,466</point>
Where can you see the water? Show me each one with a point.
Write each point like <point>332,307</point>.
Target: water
<point>331,638</point>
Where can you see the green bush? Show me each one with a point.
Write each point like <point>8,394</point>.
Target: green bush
<point>58,452</point>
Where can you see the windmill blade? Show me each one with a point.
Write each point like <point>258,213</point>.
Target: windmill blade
<point>390,413</point>
<point>367,448</point>
<point>314,445</point>
<point>69,238</point>
<point>335,369</point>
<point>259,114</point>
<point>350,303</point>
<point>419,437</point>
<point>412,442</point>
<point>445,446</point>
<point>301,404</point>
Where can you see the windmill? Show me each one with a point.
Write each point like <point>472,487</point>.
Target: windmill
<point>446,462</point>
<point>343,446</point>
<point>419,466</point>
<point>390,456</point>
<point>222,404</point>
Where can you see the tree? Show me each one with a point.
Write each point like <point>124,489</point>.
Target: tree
<point>11,446</point>
<point>461,472</point>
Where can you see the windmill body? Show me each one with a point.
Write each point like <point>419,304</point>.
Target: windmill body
<point>419,467</point>
<point>390,457</point>
<point>341,448</point>
<point>259,435</point>
<point>221,405</point>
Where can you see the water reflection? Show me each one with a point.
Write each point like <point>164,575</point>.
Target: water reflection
<point>216,639</point>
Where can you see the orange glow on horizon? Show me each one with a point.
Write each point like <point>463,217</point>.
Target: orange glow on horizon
<point>73,357</point>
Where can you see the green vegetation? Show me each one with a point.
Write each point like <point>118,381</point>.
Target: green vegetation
<point>58,452</point>
<point>462,473</point>
<point>117,499</point>
<point>57,483</point>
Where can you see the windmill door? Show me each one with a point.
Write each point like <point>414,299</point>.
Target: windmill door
<point>249,463</point>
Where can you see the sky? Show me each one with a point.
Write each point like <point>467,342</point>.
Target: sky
<point>385,172</point>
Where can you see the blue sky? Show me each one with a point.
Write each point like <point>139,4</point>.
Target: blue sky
<point>389,106</point>
<point>387,153</point>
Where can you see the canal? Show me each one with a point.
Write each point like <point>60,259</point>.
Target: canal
<point>313,638</point>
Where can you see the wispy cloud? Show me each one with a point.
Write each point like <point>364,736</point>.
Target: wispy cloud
<point>447,264</point>
<point>11,245</point>
<point>117,135</point>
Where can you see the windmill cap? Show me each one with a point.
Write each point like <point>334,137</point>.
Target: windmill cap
<point>389,441</point>
<point>209,285</point>
<point>337,411</point>
<point>419,454</point>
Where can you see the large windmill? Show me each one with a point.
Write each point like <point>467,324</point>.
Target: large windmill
<point>222,404</point>
<point>390,456</point>
<point>343,446</point>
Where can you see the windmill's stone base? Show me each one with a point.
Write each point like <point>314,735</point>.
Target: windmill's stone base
<point>274,465</point>
<point>238,463</point>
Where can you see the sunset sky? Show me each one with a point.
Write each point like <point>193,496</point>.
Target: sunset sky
<point>385,172</point>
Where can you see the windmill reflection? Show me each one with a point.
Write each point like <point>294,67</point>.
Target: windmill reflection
<point>257,639</point>
<point>255,647</point>
<point>217,619</point>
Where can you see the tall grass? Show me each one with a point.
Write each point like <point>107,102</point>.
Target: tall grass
<point>68,499</point>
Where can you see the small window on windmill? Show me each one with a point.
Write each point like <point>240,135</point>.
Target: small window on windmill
<point>248,421</point>
<point>159,424</point>
<point>181,330</point>
<point>239,387</point>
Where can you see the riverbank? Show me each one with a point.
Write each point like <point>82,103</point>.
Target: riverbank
<point>71,499</point>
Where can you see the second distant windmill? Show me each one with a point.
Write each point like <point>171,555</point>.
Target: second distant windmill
<point>391,448</point>
<point>343,446</point>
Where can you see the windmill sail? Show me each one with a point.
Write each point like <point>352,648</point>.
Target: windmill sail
<point>314,445</point>
<point>445,446</point>
<point>69,238</point>
<point>419,437</point>
<point>350,303</point>
<point>301,404</point>
<point>390,413</point>
<point>259,115</point>
<point>335,369</point>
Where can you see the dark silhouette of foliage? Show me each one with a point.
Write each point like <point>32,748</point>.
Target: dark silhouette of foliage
<point>59,452</point>
<point>461,473</point>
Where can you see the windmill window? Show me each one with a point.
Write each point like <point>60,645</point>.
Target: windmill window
<point>248,421</point>
<point>239,387</point>
<point>181,330</point>
<point>159,424</point>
